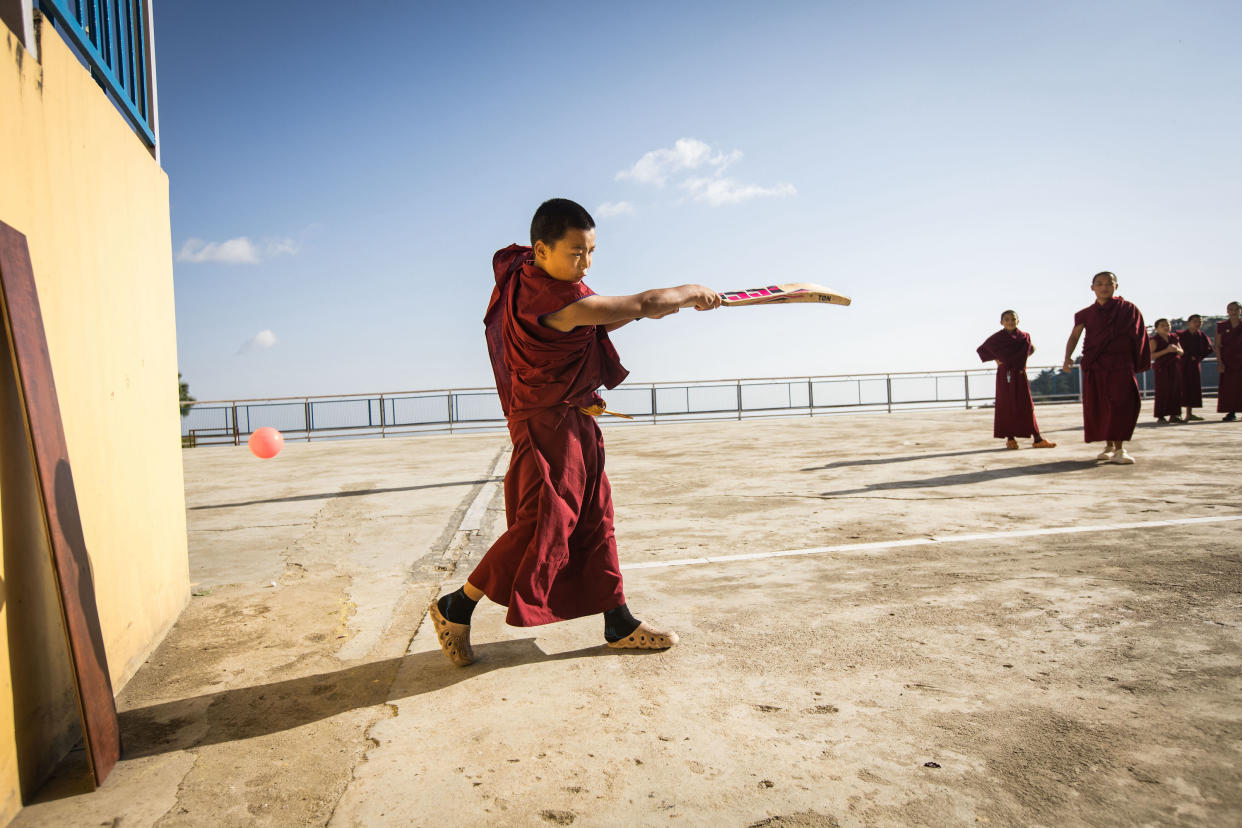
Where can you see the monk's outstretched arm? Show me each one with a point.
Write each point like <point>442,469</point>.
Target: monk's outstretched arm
<point>650,304</point>
<point>1070,346</point>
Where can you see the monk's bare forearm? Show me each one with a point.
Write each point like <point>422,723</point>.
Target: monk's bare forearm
<point>1075,335</point>
<point>612,310</point>
<point>612,326</point>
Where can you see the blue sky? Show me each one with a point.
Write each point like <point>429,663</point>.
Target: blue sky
<point>342,173</point>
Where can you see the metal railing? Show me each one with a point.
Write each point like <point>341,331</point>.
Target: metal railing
<point>477,409</point>
<point>115,38</point>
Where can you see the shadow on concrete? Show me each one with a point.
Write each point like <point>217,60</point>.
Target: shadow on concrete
<point>1059,467</point>
<point>247,712</point>
<point>354,493</point>
<point>880,461</point>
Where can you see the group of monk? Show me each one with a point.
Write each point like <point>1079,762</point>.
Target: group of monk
<point>1117,348</point>
<point>1175,360</point>
<point>547,336</point>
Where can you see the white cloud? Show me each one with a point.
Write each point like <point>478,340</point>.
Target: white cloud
<point>720,191</point>
<point>698,169</point>
<point>686,154</point>
<point>262,340</point>
<point>614,208</point>
<point>235,251</point>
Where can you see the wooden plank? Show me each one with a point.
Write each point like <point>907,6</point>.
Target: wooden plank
<point>23,325</point>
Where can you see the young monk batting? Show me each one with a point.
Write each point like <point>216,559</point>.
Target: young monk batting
<point>1015,410</point>
<point>1196,346</point>
<point>1229,360</point>
<point>1115,349</point>
<point>1166,368</point>
<point>547,334</point>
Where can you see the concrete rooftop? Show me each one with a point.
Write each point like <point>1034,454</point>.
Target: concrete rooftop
<point>935,655</point>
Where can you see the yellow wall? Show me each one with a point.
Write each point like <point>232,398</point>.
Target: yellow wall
<point>93,204</point>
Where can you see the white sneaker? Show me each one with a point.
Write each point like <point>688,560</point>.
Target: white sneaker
<point>1123,458</point>
<point>1105,455</point>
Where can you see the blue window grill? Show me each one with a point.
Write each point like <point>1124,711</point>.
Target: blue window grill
<point>114,37</point>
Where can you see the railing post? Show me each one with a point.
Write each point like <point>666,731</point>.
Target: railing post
<point>383,416</point>
<point>310,423</point>
<point>966,385</point>
<point>739,399</point>
<point>888,385</point>
<point>810,397</point>
<point>653,404</point>
<point>236,431</point>
<point>449,399</point>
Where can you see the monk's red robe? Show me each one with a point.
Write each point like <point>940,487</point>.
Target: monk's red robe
<point>1115,348</point>
<point>1229,392</point>
<point>1167,373</point>
<point>1015,411</point>
<point>1196,347</point>
<point>558,558</point>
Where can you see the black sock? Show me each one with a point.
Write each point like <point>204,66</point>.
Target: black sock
<point>619,623</point>
<point>456,607</point>
<point>1038,439</point>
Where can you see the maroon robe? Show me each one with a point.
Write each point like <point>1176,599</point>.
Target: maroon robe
<point>1195,348</point>
<point>1015,411</point>
<point>558,558</point>
<point>1167,373</point>
<point>1115,348</point>
<point>1229,392</point>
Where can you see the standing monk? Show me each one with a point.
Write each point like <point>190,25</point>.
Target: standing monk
<point>1115,349</point>
<point>1196,346</point>
<point>1166,364</point>
<point>1015,410</point>
<point>1229,360</point>
<point>547,334</point>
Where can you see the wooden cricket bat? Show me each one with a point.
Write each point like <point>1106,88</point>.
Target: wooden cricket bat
<point>776,294</point>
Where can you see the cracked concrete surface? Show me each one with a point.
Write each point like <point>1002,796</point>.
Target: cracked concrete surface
<point>1081,679</point>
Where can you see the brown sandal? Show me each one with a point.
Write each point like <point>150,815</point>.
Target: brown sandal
<point>454,638</point>
<point>646,637</point>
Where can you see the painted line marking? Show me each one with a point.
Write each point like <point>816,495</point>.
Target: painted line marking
<point>934,539</point>
<point>472,521</point>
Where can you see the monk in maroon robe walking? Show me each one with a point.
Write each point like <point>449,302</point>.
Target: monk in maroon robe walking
<point>1229,360</point>
<point>547,334</point>
<point>1015,410</point>
<point>1196,346</point>
<point>1116,348</point>
<point>1166,368</point>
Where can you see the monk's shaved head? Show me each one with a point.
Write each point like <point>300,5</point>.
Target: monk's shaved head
<point>1112,277</point>
<point>556,217</point>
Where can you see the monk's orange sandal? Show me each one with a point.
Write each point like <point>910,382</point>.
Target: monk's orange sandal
<point>454,638</point>
<point>1044,444</point>
<point>646,637</point>
<point>1011,443</point>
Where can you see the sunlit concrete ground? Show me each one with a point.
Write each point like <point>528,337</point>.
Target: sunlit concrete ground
<point>935,657</point>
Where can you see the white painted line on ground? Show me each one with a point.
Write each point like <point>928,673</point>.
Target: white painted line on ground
<point>935,539</point>
<point>473,519</point>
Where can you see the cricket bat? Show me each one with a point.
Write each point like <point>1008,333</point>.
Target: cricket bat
<point>777,294</point>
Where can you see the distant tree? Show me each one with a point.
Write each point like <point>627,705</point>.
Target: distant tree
<point>1053,382</point>
<point>187,402</point>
